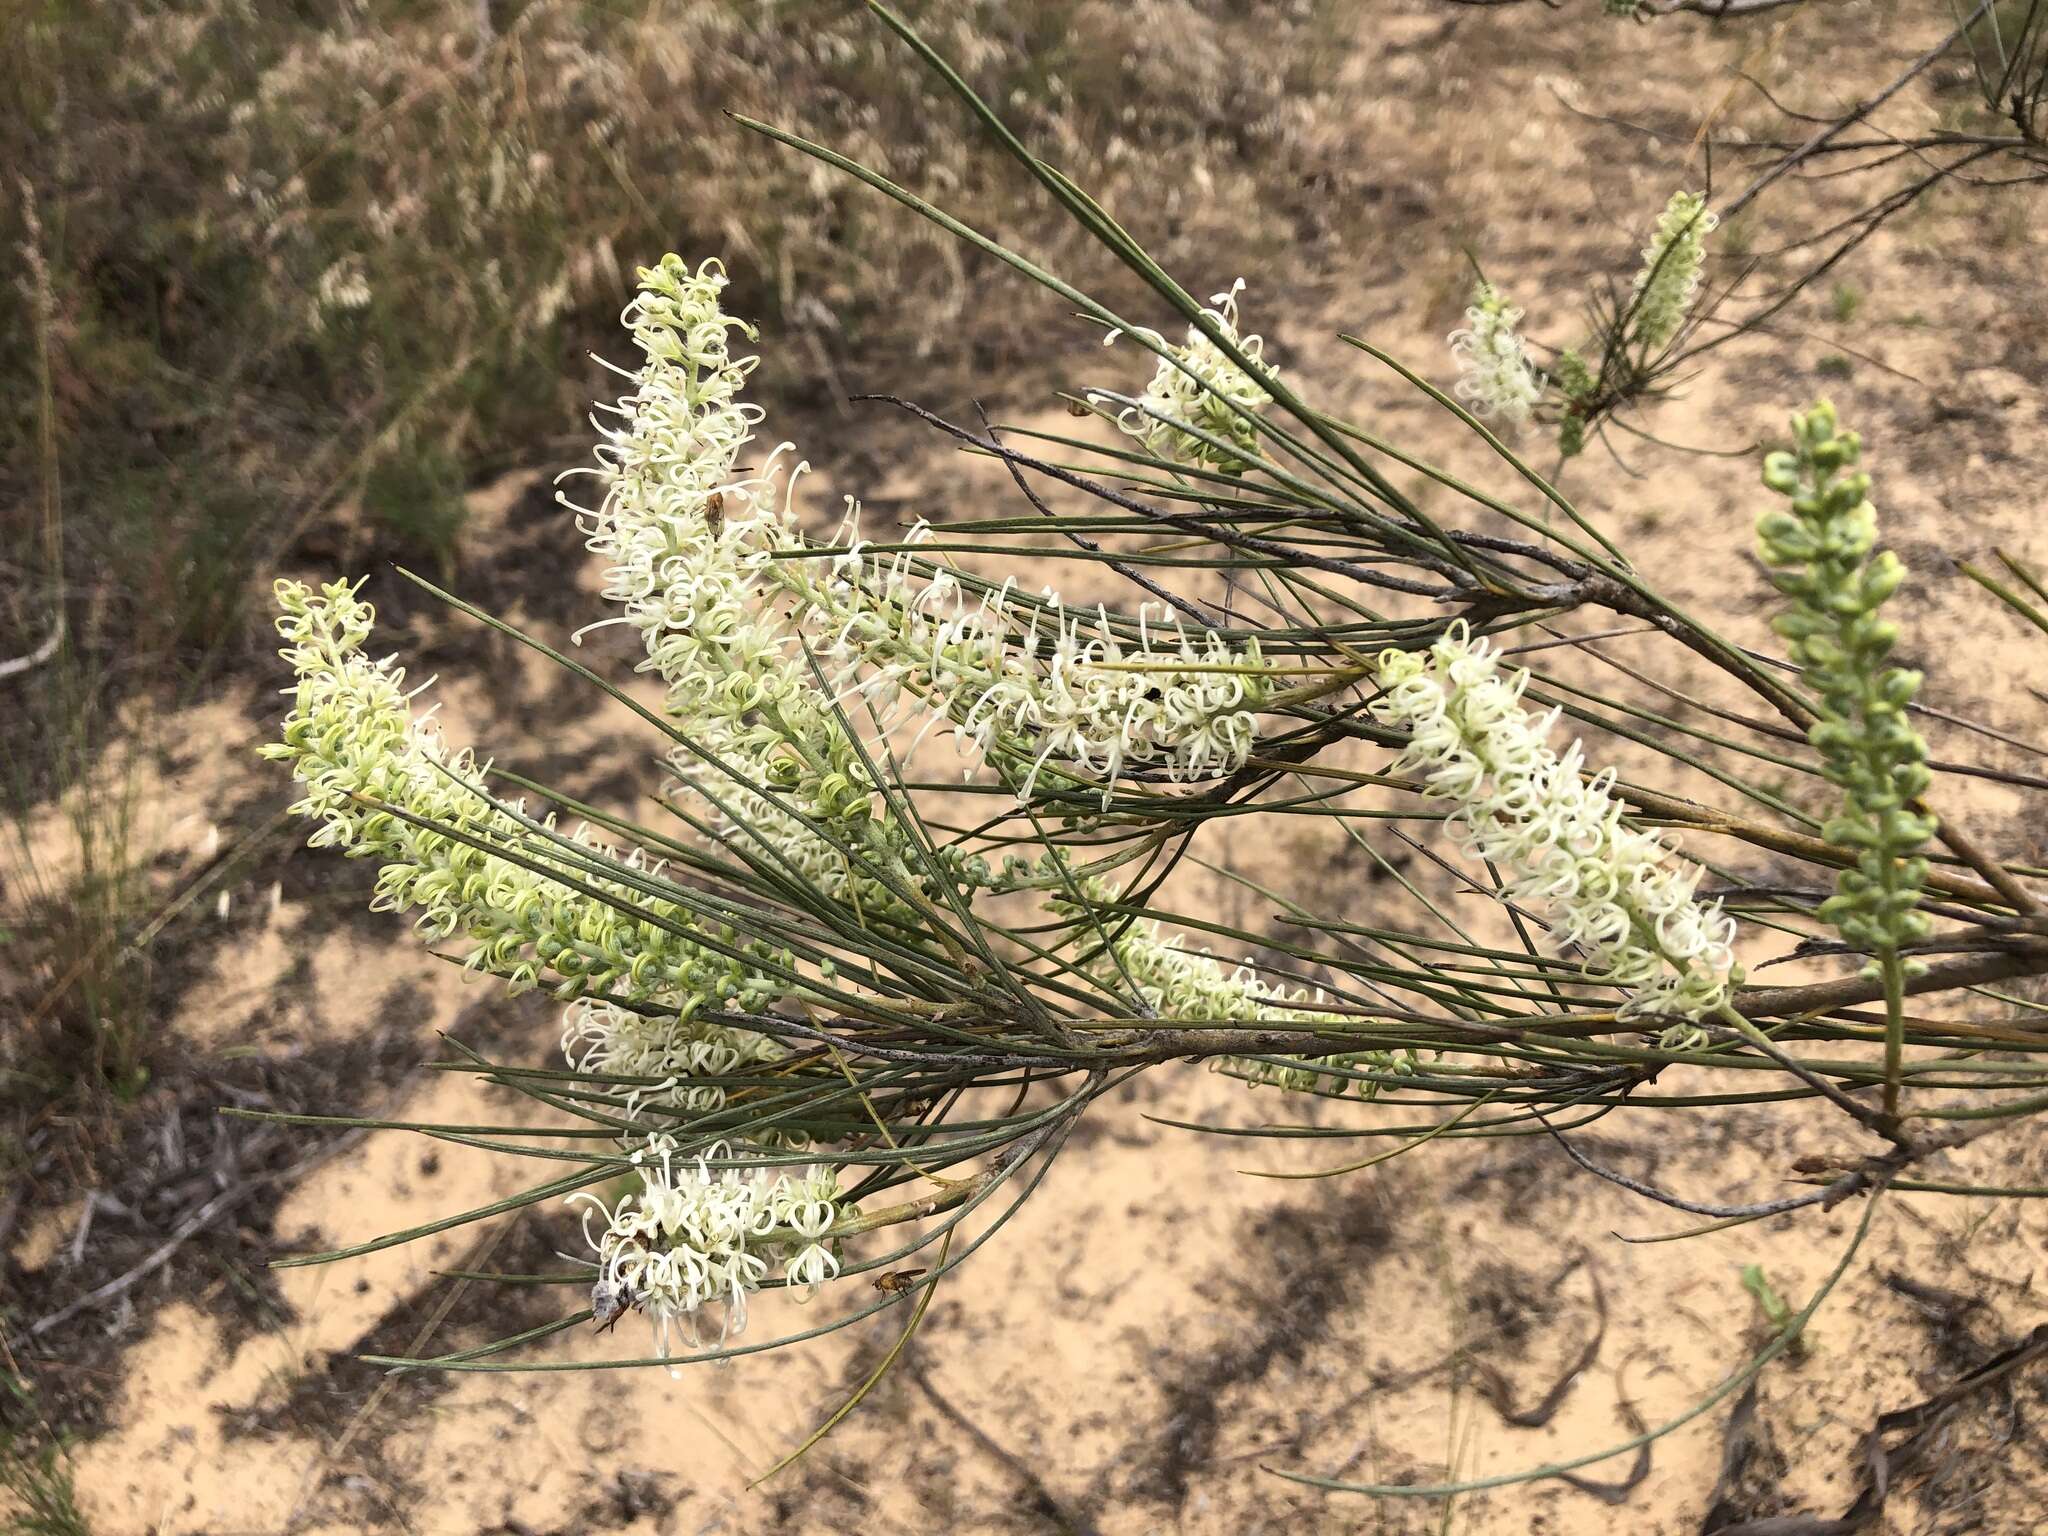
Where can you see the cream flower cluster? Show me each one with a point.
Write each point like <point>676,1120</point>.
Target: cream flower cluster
<point>708,562</point>
<point>1614,891</point>
<point>353,742</point>
<point>1173,982</point>
<point>608,1040</point>
<point>694,1236</point>
<point>1035,682</point>
<point>1670,277</point>
<point>690,538</point>
<point>1206,390</point>
<point>1495,377</point>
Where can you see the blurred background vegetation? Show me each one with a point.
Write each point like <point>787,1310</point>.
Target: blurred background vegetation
<point>284,257</point>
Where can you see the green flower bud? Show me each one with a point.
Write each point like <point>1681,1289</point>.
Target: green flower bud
<point>1781,474</point>
<point>1819,556</point>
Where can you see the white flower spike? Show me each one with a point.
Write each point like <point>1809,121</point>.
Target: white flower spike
<point>1670,278</point>
<point>1206,391</point>
<point>695,1237</point>
<point>1616,892</point>
<point>353,742</point>
<point>733,603</point>
<point>1495,377</point>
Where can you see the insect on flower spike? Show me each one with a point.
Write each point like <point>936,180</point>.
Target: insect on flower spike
<point>693,1238</point>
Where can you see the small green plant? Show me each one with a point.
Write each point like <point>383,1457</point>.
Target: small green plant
<point>418,496</point>
<point>40,1484</point>
<point>1844,302</point>
<point>78,994</point>
<point>73,904</point>
<point>35,1478</point>
<point>1777,1315</point>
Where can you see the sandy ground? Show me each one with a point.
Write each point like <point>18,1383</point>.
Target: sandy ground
<point>1160,1332</point>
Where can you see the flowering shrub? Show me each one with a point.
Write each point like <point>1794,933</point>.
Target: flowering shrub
<point>841,1007</point>
<point>757,633</point>
<point>1498,380</point>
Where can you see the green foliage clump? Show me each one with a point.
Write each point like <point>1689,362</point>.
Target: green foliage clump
<point>35,1479</point>
<point>418,495</point>
<point>1819,554</point>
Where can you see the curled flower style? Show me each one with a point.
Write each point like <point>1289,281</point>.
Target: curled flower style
<point>1205,390</point>
<point>1670,277</point>
<point>354,744</point>
<point>1495,376</point>
<point>1173,982</point>
<point>736,611</point>
<point>1613,890</point>
<point>341,287</point>
<point>674,1054</point>
<point>694,1237</point>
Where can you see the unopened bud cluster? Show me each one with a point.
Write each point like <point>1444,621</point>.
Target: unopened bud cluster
<point>1818,551</point>
<point>1576,386</point>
